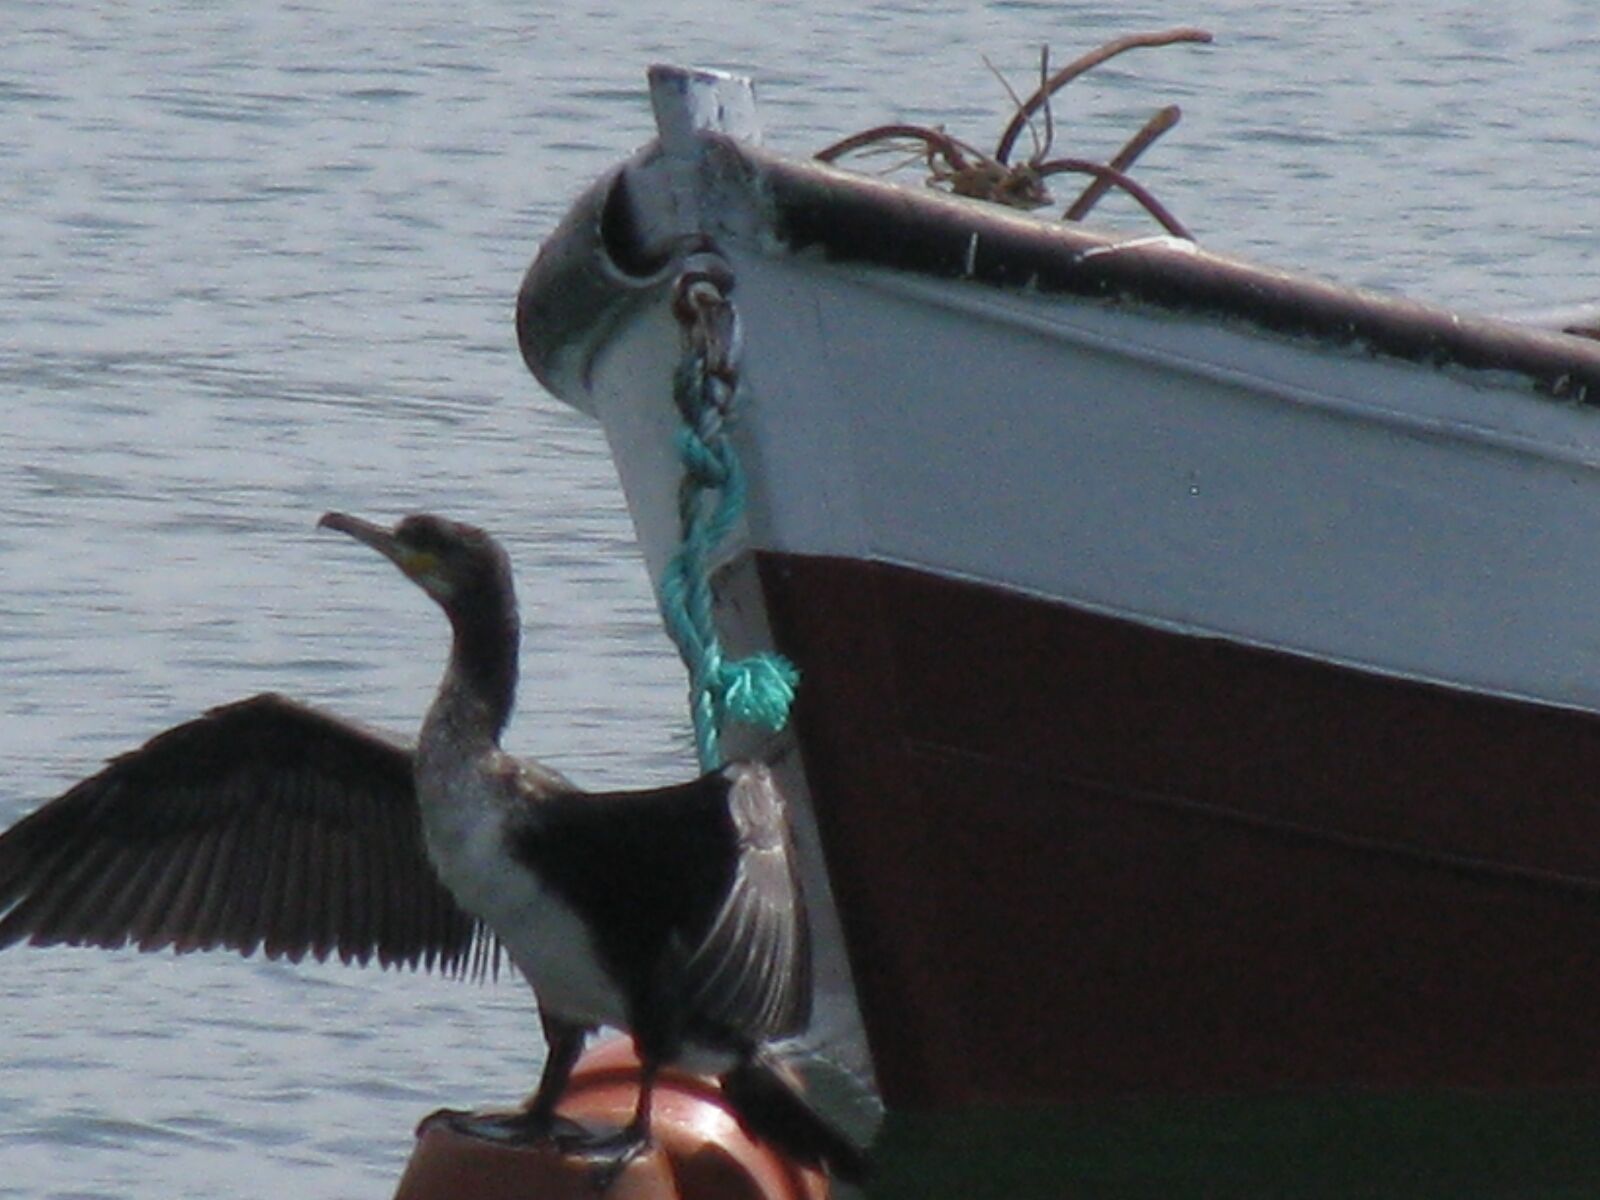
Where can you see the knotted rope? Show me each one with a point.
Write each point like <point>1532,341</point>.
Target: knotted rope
<point>711,497</point>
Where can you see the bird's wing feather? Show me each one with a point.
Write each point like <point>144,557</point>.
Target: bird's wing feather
<point>264,824</point>
<point>753,966</point>
<point>693,887</point>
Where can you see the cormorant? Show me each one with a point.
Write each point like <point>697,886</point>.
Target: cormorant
<point>674,914</point>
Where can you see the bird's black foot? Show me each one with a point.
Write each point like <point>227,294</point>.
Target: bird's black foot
<point>521,1128</point>
<point>606,1154</point>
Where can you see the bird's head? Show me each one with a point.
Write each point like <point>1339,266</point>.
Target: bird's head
<point>455,563</point>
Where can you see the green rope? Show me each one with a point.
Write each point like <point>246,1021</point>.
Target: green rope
<point>711,497</point>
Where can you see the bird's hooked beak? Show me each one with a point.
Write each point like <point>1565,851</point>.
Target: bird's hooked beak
<point>416,564</point>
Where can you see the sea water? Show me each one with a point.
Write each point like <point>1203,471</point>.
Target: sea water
<point>258,261</point>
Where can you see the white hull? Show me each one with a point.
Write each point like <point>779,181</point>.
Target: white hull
<point>1194,471</point>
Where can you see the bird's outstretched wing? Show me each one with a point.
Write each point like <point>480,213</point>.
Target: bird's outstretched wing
<point>264,824</point>
<point>695,896</point>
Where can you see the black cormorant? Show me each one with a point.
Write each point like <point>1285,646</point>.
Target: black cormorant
<point>674,914</point>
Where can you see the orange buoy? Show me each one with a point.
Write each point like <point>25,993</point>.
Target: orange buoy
<point>700,1151</point>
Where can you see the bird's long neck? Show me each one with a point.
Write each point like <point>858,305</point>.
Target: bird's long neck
<point>480,683</point>
<point>459,791</point>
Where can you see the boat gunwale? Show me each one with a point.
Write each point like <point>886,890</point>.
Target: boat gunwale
<point>608,257</point>
<point>849,218</point>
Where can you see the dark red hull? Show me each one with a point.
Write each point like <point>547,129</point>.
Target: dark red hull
<point>1080,859</point>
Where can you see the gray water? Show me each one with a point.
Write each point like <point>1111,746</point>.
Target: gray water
<point>258,261</point>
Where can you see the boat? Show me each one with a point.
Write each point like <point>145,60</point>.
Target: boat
<point>1197,733</point>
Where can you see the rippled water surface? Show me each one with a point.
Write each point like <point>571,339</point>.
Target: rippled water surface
<point>257,261</point>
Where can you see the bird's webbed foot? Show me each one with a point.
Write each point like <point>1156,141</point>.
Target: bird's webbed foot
<point>521,1128</point>
<point>606,1154</point>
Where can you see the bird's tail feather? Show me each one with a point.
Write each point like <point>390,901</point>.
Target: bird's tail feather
<point>770,1105</point>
